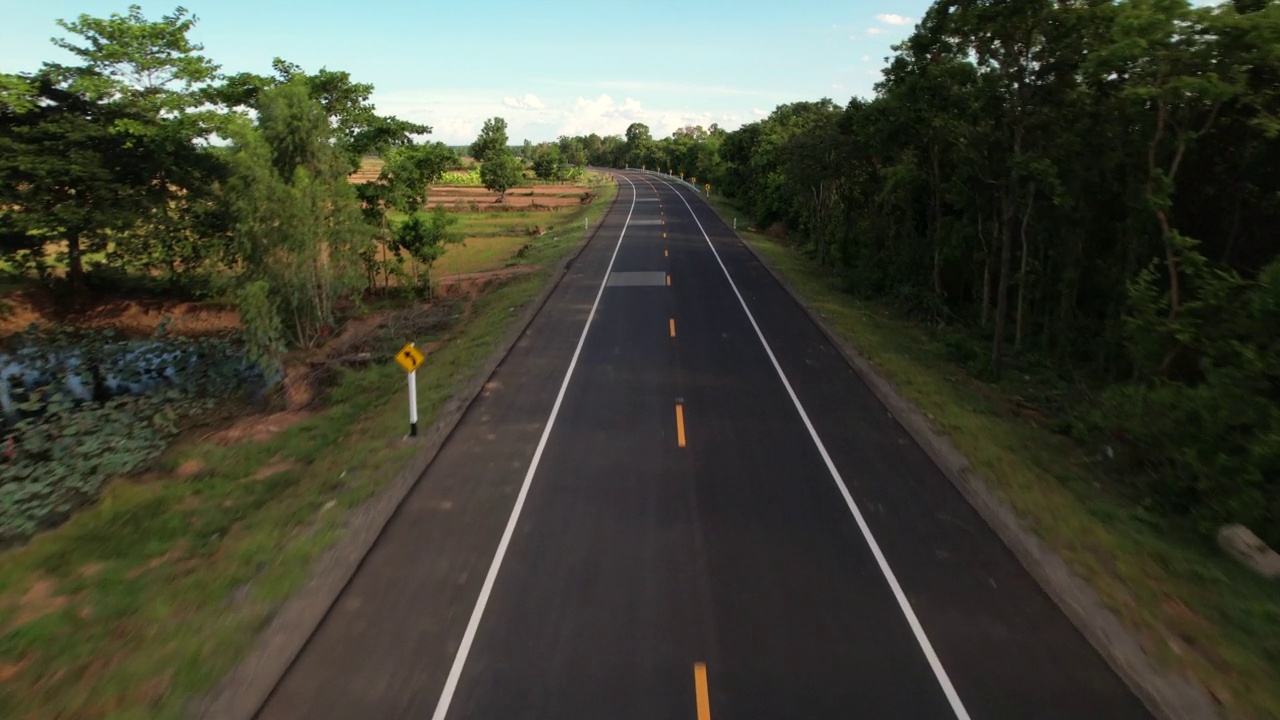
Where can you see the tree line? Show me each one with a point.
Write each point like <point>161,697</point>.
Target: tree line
<point>166,171</point>
<point>1083,189</point>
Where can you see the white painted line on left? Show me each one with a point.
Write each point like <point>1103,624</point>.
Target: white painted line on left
<point>460,660</point>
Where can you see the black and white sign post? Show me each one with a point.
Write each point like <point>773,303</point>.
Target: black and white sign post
<point>410,358</point>
<point>413,403</point>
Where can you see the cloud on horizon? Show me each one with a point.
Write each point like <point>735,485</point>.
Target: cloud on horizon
<point>894,19</point>
<point>457,119</point>
<point>528,102</point>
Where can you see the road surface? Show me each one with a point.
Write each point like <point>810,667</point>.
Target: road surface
<point>675,499</point>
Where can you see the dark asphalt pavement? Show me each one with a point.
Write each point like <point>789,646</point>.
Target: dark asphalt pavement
<point>650,539</point>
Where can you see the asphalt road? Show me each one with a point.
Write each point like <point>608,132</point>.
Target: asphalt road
<point>676,500</point>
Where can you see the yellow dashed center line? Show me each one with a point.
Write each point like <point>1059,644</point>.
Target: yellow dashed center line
<point>672,325</point>
<point>664,253</point>
<point>668,279</point>
<point>700,691</point>
<point>679,425</point>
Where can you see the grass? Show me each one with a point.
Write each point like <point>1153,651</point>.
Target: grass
<point>1195,609</point>
<point>479,255</point>
<point>496,240</point>
<point>147,598</point>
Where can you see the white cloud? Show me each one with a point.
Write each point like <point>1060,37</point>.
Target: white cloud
<point>866,58</point>
<point>875,31</point>
<point>455,118</point>
<point>892,19</point>
<point>528,102</point>
<point>600,115</point>
<point>758,112</point>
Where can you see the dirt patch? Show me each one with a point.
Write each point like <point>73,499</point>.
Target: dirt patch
<point>177,552</point>
<point>471,285</point>
<point>299,390</point>
<point>189,468</point>
<point>40,599</point>
<point>23,308</point>
<point>257,428</point>
<point>267,471</point>
<point>539,197</point>
<point>135,318</point>
<point>777,231</point>
<point>10,670</point>
<point>152,691</point>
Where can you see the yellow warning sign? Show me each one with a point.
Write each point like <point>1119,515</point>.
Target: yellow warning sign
<point>410,357</point>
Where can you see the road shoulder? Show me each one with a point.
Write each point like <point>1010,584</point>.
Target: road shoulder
<point>1166,693</point>
<point>244,690</point>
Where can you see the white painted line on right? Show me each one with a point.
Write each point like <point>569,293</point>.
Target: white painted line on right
<point>917,629</point>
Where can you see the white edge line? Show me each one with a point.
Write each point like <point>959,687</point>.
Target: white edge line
<point>460,659</point>
<point>939,672</point>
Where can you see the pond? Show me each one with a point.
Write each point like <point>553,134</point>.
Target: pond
<point>79,408</point>
<point>88,367</point>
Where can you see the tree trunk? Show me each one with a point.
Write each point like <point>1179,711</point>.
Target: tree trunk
<point>386,269</point>
<point>75,265</point>
<point>937,221</point>
<point>1006,247</point>
<point>1171,260</point>
<point>984,311</point>
<point>937,272</point>
<point>986,292</point>
<point>1022,272</point>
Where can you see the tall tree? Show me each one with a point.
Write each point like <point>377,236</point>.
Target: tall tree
<point>297,220</point>
<point>139,81</point>
<point>68,175</point>
<point>492,140</point>
<point>501,172</point>
<point>358,128</point>
<point>639,144</point>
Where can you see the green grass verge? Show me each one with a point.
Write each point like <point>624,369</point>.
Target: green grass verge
<point>148,597</point>
<point>1194,608</point>
<point>478,254</point>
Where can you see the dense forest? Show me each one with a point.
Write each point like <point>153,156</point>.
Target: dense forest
<point>1084,189</point>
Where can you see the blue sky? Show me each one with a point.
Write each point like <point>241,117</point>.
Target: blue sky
<point>550,67</point>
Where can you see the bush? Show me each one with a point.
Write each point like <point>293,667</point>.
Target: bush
<point>1204,429</point>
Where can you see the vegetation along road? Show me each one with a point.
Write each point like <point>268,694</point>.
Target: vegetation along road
<point>959,399</point>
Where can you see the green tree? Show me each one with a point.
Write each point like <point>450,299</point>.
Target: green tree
<point>639,145</point>
<point>402,184</point>
<point>492,140</point>
<point>501,172</point>
<point>425,240</point>
<point>297,221</point>
<point>548,163</point>
<point>573,150</point>
<point>141,82</point>
<point>358,129</point>
<point>68,175</point>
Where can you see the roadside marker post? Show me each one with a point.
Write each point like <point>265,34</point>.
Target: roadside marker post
<point>410,358</point>
<point>413,403</point>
